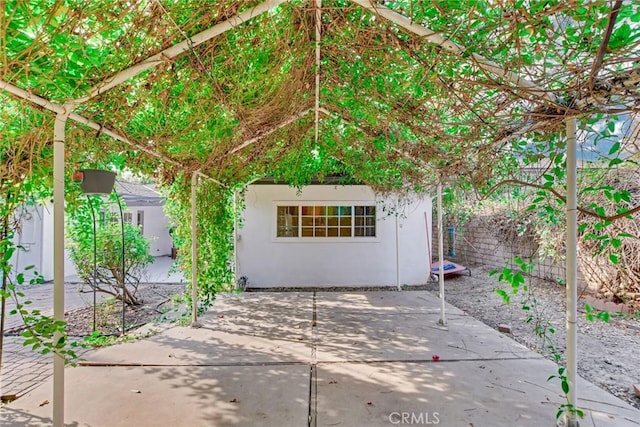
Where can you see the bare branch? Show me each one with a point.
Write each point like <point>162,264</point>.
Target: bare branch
<point>563,199</point>
<point>605,42</point>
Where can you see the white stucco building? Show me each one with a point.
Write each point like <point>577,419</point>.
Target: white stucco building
<point>34,238</point>
<point>328,235</point>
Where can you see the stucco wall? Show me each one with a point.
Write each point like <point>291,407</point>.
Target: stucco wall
<point>37,239</point>
<point>30,250</point>
<point>156,229</point>
<point>267,261</point>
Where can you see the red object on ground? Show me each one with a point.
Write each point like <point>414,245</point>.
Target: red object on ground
<point>435,357</point>
<point>78,176</point>
<point>220,316</point>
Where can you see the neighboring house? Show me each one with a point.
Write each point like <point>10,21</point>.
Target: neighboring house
<point>144,208</point>
<point>34,240</point>
<point>331,235</point>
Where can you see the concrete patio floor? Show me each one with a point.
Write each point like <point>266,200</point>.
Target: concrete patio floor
<point>318,359</point>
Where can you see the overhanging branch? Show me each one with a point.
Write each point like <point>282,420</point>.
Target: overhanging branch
<point>563,199</point>
<point>174,51</point>
<point>57,108</point>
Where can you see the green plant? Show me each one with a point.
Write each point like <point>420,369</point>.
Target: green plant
<point>41,333</point>
<point>565,408</point>
<point>108,277</point>
<point>178,298</point>
<point>216,216</point>
<point>97,339</point>
<point>591,314</point>
<point>543,328</point>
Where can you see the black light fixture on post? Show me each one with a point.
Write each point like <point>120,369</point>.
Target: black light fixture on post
<point>99,182</point>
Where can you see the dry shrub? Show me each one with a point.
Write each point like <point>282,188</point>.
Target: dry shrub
<point>619,282</point>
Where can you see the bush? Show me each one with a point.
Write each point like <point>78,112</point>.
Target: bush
<point>108,277</point>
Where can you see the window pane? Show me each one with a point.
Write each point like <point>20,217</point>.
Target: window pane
<point>332,210</point>
<point>332,232</point>
<point>332,221</point>
<point>307,210</point>
<point>321,232</point>
<point>287,221</point>
<point>307,232</point>
<point>345,222</point>
<point>345,232</point>
<point>365,221</point>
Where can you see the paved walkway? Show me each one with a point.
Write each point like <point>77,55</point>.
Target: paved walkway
<point>319,359</point>
<point>23,369</point>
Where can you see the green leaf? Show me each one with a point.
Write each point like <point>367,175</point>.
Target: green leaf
<point>565,386</point>
<point>614,162</point>
<point>505,297</point>
<point>559,413</point>
<point>613,258</point>
<point>614,148</point>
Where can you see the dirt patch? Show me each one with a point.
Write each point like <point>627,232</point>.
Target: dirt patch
<point>158,303</point>
<point>608,353</point>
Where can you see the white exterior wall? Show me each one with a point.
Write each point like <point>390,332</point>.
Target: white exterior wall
<point>30,241</point>
<point>267,261</point>
<point>37,239</point>
<point>156,229</point>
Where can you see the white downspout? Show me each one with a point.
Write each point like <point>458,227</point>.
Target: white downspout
<point>397,250</point>
<point>194,251</point>
<point>572,270</point>
<point>58,259</point>
<point>443,318</point>
<point>235,238</point>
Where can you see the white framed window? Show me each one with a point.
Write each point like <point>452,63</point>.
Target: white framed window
<point>325,221</point>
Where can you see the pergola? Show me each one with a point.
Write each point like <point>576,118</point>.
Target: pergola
<point>401,94</point>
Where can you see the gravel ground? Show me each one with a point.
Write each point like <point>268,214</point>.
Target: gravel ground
<point>608,353</point>
<point>157,304</point>
<point>156,301</point>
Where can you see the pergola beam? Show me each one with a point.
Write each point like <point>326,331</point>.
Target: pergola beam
<point>60,109</point>
<point>435,38</point>
<point>172,52</point>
